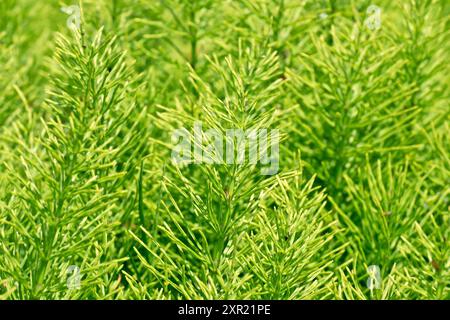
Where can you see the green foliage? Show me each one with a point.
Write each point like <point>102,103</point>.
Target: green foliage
<point>88,185</point>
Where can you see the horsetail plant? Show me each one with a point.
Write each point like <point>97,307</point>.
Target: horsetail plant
<point>177,149</point>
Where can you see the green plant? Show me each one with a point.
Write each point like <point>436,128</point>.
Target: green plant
<point>93,205</point>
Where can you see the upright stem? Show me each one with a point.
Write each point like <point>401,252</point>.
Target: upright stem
<point>193,36</point>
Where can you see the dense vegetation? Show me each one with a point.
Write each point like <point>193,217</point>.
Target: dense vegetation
<point>93,207</point>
